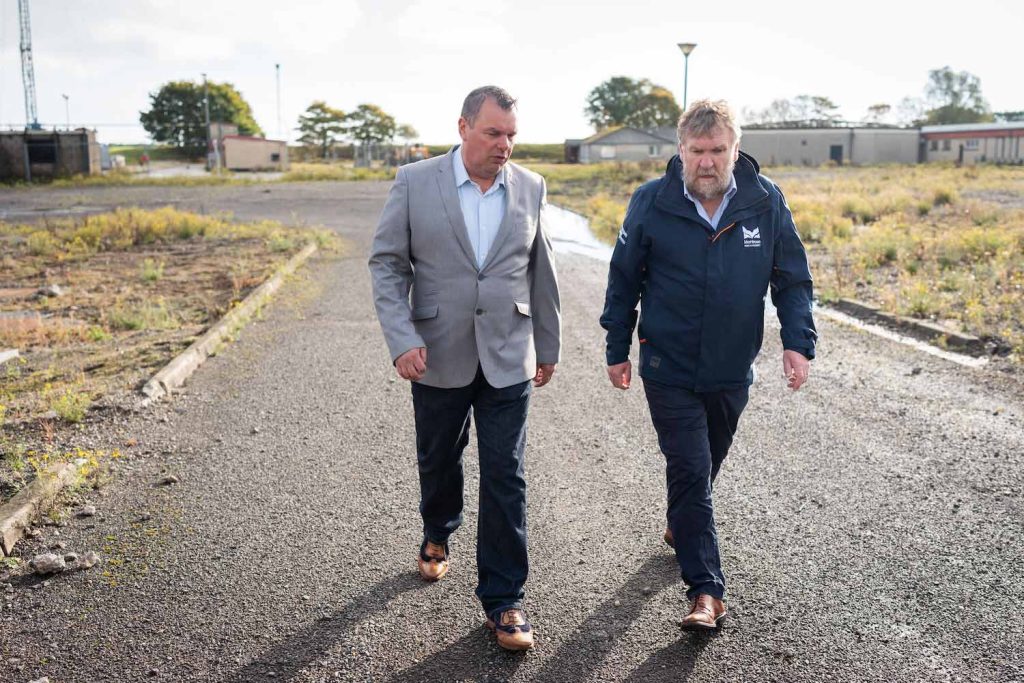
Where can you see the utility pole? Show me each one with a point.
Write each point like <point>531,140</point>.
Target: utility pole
<point>206,107</point>
<point>67,110</point>
<point>280,131</point>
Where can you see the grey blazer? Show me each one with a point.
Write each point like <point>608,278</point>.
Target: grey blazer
<point>504,316</point>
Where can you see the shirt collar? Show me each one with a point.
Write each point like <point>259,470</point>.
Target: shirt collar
<point>462,175</point>
<point>729,191</point>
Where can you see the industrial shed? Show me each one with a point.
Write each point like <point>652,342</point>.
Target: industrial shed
<point>816,146</point>
<point>42,155</point>
<point>973,143</point>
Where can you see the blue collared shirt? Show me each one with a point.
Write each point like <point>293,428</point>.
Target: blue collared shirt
<point>713,220</point>
<point>482,211</point>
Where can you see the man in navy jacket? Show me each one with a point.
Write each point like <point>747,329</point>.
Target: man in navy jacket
<point>699,248</point>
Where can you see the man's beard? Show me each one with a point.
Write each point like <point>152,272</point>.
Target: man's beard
<point>712,186</point>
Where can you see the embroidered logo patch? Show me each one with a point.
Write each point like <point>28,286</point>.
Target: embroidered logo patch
<point>751,237</point>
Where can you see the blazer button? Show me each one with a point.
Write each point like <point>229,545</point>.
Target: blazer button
<point>481,276</point>
<point>479,311</point>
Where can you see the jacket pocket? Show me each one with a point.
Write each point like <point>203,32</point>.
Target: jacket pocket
<point>424,313</point>
<point>523,308</point>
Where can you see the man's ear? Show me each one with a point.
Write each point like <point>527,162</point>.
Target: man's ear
<point>463,127</point>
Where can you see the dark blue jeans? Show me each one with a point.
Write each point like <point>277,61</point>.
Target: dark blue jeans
<point>443,417</point>
<point>694,432</point>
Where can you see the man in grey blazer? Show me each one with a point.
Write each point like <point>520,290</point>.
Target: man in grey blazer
<point>466,293</point>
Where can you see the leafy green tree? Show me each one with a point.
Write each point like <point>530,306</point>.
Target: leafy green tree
<point>623,101</point>
<point>371,124</point>
<point>177,115</point>
<point>407,132</point>
<point>877,112</point>
<point>321,126</point>
<point>955,97</point>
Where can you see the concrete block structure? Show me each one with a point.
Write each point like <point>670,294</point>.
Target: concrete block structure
<point>43,155</point>
<point>817,146</point>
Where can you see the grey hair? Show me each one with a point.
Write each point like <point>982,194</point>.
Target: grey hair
<point>474,100</point>
<point>703,117</point>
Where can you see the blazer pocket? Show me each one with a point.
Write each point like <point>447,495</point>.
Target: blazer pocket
<point>523,308</point>
<point>424,313</point>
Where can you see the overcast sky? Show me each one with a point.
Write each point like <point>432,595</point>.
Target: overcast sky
<point>418,58</point>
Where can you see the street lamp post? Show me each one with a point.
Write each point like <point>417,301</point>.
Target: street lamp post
<point>67,111</point>
<point>209,133</point>
<point>687,48</point>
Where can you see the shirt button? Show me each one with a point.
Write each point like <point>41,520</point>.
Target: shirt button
<point>479,311</point>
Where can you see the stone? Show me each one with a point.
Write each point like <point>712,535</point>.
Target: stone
<point>50,291</point>
<point>71,558</point>
<point>91,559</point>
<point>168,480</point>
<point>47,563</point>
<point>57,545</point>
<point>87,511</point>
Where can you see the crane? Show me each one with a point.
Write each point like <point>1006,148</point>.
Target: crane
<point>28,74</point>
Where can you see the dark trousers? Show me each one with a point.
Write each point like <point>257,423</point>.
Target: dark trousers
<point>442,432</point>
<point>695,431</point>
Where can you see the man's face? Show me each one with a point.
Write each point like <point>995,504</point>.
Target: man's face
<point>487,144</point>
<point>708,162</point>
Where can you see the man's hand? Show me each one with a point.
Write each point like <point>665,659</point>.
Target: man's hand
<point>796,369</point>
<point>544,372</point>
<point>620,374</point>
<point>412,364</point>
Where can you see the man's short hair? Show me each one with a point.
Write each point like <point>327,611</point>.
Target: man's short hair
<point>474,100</point>
<point>704,117</point>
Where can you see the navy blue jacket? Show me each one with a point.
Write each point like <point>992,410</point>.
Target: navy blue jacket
<point>702,291</point>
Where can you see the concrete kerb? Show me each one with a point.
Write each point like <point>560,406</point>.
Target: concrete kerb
<point>181,367</point>
<point>16,515</point>
<point>921,329</point>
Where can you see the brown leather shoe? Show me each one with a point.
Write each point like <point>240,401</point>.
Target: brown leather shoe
<point>512,629</point>
<point>433,561</point>
<point>669,540</point>
<point>706,614</point>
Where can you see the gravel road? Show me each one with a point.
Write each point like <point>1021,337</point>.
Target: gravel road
<point>871,524</point>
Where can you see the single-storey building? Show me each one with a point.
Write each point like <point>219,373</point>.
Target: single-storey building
<point>623,144</point>
<point>42,154</point>
<point>973,143</point>
<point>816,146</point>
<point>245,153</point>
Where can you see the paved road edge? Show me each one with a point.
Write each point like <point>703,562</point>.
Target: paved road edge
<point>181,367</point>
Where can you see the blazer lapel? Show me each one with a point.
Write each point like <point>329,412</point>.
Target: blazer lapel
<point>452,208</point>
<point>506,222</point>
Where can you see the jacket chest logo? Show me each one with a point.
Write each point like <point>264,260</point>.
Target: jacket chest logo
<point>751,236</point>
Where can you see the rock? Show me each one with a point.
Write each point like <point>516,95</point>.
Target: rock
<point>91,559</point>
<point>168,480</point>
<point>8,588</point>
<point>47,563</point>
<point>255,430</point>
<point>87,511</point>
<point>57,545</point>
<point>50,291</point>
<point>71,558</point>
<point>44,679</point>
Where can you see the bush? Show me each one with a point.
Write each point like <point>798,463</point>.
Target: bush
<point>41,243</point>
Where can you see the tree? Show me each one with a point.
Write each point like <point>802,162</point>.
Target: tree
<point>1009,116</point>
<point>406,132</point>
<point>803,111</point>
<point>623,101</point>
<point>177,115</point>
<point>955,97</point>
<point>370,123</point>
<point>321,126</point>
<point>877,112</point>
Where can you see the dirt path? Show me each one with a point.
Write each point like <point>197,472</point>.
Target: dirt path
<point>870,525</point>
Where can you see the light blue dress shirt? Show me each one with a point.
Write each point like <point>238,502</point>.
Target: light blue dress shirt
<point>482,211</point>
<point>713,220</point>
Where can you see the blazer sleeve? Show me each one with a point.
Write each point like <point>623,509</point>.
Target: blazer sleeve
<point>791,285</point>
<point>545,304</point>
<point>391,270</point>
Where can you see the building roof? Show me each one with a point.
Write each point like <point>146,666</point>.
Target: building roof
<point>652,135</point>
<point>974,127</point>
<point>249,137</point>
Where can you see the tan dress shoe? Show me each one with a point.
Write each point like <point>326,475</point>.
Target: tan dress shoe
<point>512,629</point>
<point>669,540</point>
<point>706,614</point>
<point>433,561</point>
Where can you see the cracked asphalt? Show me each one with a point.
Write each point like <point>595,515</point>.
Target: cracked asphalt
<point>871,524</point>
